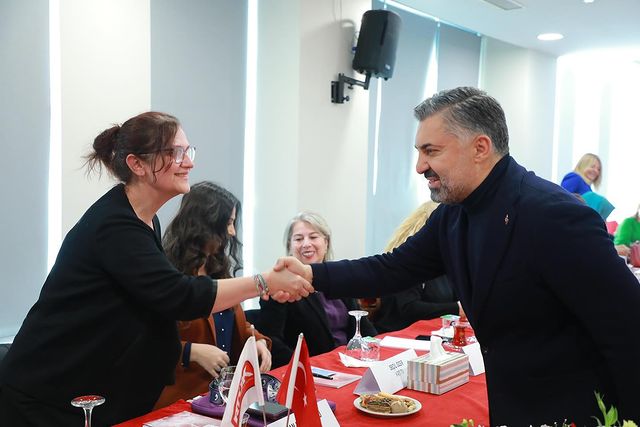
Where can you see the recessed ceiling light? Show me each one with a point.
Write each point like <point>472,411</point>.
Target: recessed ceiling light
<point>588,1</point>
<point>550,36</point>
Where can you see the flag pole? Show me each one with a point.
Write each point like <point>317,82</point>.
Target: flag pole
<point>292,377</point>
<point>264,414</point>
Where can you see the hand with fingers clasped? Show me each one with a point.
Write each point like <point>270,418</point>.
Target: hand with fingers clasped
<point>210,357</point>
<point>288,285</point>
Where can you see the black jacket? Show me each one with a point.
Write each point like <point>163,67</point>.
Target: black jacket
<point>105,321</point>
<point>553,306</point>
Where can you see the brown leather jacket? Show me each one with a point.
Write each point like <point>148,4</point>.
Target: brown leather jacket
<point>194,380</point>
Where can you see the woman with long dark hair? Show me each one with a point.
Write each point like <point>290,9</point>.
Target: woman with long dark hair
<point>202,240</point>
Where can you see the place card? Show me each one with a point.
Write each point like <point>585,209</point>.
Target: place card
<point>476,362</point>
<point>389,375</point>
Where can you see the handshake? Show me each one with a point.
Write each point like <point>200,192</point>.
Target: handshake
<point>289,280</point>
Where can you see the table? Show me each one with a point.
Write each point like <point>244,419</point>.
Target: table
<point>467,401</point>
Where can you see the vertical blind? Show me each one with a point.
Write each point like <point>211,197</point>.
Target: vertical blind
<point>394,189</point>
<point>24,120</point>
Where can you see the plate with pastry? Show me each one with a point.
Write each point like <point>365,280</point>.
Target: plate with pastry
<point>387,405</point>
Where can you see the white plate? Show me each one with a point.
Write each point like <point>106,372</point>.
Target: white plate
<point>356,403</point>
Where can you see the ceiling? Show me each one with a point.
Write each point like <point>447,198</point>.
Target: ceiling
<point>586,26</point>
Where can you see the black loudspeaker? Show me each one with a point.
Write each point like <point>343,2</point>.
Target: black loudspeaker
<point>377,43</point>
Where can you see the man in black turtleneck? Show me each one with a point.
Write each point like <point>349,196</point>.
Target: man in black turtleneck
<point>552,304</point>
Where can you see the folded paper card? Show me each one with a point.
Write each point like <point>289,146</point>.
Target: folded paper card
<point>388,375</point>
<point>476,362</point>
<point>396,342</point>
<point>438,373</point>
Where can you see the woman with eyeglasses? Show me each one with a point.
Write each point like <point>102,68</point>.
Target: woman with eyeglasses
<point>105,320</point>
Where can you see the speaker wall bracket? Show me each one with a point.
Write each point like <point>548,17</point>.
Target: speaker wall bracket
<point>337,87</point>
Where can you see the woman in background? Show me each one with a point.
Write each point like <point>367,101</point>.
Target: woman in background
<point>201,240</point>
<point>425,301</point>
<point>587,172</point>
<point>105,320</point>
<point>629,231</point>
<point>325,323</point>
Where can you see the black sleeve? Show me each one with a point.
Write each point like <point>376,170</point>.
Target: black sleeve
<point>129,252</point>
<point>414,262</point>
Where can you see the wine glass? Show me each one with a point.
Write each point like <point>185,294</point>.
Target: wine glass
<point>87,403</point>
<point>356,344</point>
<point>224,381</point>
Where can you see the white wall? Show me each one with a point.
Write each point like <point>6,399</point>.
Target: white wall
<point>105,69</point>
<point>310,153</point>
<point>523,81</point>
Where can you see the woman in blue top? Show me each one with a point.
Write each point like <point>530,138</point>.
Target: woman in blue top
<point>588,171</point>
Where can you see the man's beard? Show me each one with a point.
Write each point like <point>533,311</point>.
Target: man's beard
<point>446,194</point>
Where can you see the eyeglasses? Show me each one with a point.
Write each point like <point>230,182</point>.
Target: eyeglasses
<point>178,153</point>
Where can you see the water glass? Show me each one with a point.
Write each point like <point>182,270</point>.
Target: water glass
<point>356,343</point>
<point>224,381</point>
<point>370,349</point>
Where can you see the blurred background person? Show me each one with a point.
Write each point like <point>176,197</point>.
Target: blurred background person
<point>427,300</point>
<point>627,233</point>
<point>588,172</point>
<point>325,322</point>
<point>201,240</point>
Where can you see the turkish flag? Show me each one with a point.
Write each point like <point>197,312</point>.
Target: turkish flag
<point>297,390</point>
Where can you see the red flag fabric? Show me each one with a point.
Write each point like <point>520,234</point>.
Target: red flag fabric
<point>304,404</point>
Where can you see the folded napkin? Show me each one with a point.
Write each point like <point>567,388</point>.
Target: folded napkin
<point>352,362</point>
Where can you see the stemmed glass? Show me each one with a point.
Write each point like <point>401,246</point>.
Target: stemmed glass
<point>356,344</point>
<point>224,381</point>
<point>87,403</point>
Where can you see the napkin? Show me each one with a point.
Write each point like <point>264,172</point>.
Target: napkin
<point>443,332</point>
<point>352,362</point>
<point>436,351</point>
<point>397,342</point>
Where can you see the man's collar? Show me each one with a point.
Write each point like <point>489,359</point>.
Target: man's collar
<point>474,201</point>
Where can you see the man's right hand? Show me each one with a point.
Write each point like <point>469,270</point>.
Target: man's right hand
<point>294,265</point>
<point>288,284</point>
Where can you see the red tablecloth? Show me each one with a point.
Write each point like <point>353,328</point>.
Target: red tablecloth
<point>467,401</point>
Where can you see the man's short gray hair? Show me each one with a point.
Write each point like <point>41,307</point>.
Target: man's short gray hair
<point>468,110</point>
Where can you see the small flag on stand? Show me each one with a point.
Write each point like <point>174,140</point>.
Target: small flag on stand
<point>246,386</point>
<point>297,391</point>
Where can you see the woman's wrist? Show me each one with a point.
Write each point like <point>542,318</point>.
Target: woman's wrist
<point>261,284</point>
